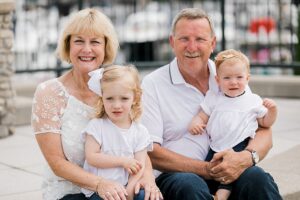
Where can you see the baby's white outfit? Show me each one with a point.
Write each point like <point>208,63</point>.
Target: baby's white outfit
<point>231,120</point>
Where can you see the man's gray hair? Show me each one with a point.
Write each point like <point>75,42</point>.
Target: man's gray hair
<point>192,13</point>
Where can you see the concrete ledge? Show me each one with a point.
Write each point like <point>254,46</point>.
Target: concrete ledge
<point>266,86</point>
<point>23,110</point>
<point>276,86</point>
<point>25,88</point>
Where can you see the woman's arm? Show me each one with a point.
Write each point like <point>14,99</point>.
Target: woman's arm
<point>147,182</point>
<point>50,145</point>
<point>96,158</point>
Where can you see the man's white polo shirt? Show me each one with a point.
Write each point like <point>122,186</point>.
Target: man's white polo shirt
<point>169,106</point>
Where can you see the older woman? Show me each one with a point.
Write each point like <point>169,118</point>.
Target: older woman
<point>63,106</point>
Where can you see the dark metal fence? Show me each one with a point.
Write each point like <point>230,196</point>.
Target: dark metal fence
<point>264,30</point>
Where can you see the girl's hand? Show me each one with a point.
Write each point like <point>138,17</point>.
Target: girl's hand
<point>111,190</point>
<point>132,165</point>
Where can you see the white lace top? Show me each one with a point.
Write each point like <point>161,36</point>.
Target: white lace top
<point>55,110</point>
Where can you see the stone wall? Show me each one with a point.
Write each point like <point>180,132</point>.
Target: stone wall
<point>7,93</point>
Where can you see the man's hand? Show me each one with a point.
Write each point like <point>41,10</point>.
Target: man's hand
<point>228,165</point>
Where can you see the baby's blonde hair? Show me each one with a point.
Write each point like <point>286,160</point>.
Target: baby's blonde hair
<point>231,55</point>
<point>130,75</point>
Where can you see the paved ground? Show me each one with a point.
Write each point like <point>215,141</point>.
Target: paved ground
<point>21,162</point>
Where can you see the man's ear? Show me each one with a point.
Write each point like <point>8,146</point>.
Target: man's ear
<point>171,40</point>
<point>213,43</point>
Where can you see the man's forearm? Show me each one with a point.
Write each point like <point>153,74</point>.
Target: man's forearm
<point>262,142</point>
<point>167,161</point>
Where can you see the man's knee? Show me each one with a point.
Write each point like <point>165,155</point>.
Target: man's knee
<point>257,177</point>
<point>255,183</point>
<point>183,186</point>
<point>189,182</point>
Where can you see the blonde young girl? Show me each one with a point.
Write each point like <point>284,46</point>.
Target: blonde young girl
<point>232,116</point>
<point>115,143</point>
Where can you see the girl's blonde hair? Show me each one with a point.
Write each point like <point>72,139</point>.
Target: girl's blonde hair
<point>231,55</point>
<point>93,22</point>
<point>129,74</point>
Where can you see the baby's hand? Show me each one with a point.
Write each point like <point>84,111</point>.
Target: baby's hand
<point>269,103</point>
<point>132,165</point>
<point>197,129</point>
<point>196,126</point>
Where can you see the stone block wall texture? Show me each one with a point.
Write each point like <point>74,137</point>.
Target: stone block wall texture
<point>7,93</point>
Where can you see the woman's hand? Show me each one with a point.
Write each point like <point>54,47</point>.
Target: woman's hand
<point>111,190</point>
<point>229,165</point>
<point>147,182</point>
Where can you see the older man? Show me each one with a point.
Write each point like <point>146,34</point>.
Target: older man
<point>172,96</point>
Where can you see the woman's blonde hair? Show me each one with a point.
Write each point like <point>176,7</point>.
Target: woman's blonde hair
<point>129,74</point>
<point>231,55</point>
<point>89,21</point>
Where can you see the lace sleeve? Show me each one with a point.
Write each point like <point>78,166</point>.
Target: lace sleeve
<point>48,106</point>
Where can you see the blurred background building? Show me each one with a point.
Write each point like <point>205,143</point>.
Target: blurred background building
<point>267,31</point>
